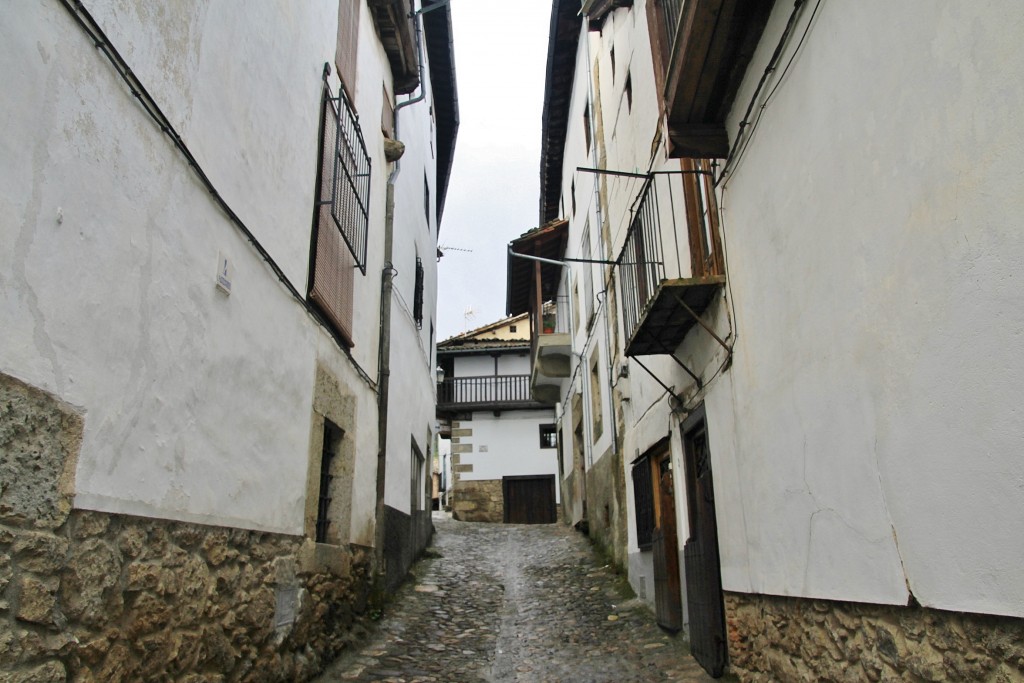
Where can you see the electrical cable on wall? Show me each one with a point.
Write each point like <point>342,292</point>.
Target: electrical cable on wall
<point>100,40</point>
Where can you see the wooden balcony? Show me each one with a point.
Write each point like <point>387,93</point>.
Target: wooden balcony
<point>488,392</point>
<point>703,48</point>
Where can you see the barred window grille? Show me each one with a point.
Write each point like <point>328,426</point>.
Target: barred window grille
<point>346,188</point>
<point>342,214</point>
<point>417,297</point>
<point>643,498</point>
<point>332,435</point>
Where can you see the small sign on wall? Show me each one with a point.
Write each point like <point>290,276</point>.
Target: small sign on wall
<point>482,449</point>
<point>224,273</point>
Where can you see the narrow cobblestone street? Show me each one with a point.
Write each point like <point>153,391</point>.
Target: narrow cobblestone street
<point>515,603</point>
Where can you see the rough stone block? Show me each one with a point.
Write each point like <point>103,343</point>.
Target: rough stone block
<point>462,432</point>
<point>462,468</point>
<point>37,599</point>
<point>462,448</point>
<point>50,672</point>
<point>40,437</point>
<point>41,553</point>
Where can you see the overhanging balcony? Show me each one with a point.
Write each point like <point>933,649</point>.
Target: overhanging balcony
<point>704,47</point>
<point>663,297</point>
<point>489,392</point>
<point>552,350</point>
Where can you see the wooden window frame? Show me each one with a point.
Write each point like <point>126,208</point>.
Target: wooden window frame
<point>545,430</point>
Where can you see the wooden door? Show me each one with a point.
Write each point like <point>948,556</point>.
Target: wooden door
<point>665,545</point>
<point>529,500</point>
<point>700,552</point>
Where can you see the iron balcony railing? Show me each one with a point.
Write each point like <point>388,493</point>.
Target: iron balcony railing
<point>641,263</point>
<point>670,10</point>
<point>555,318</point>
<point>490,390</point>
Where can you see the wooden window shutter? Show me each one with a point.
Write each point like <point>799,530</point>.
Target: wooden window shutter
<point>333,276</point>
<point>348,42</point>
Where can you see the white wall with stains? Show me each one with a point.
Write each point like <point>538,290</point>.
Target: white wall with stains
<point>197,405</point>
<point>869,431</point>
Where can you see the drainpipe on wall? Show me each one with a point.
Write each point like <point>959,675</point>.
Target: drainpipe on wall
<point>386,288</point>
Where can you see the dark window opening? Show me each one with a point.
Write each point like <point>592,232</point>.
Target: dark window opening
<point>512,328</point>
<point>629,90</point>
<point>417,296</point>
<point>573,188</point>
<point>332,439</point>
<point>426,199</point>
<point>548,436</point>
<point>586,125</point>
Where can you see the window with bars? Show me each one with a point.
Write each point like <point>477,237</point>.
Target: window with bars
<point>417,295</point>
<point>342,212</point>
<point>643,500</point>
<point>332,439</point>
<point>548,436</point>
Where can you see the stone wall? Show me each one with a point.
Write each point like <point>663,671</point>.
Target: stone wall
<point>89,596</point>
<point>478,501</point>
<point>606,507</point>
<point>793,639</point>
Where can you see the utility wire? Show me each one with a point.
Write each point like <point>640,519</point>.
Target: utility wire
<point>100,40</point>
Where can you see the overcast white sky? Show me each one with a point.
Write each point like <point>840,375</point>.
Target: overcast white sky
<point>493,195</point>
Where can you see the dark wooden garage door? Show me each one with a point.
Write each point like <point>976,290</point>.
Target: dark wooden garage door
<point>529,500</point>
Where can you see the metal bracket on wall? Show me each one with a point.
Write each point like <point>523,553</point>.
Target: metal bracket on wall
<point>697,319</point>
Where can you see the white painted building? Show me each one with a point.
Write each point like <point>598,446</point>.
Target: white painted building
<point>199,205</point>
<point>503,444</point>
<point>830,188</point>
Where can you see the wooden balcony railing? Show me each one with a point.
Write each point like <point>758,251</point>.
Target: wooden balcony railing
<point>489,391</point>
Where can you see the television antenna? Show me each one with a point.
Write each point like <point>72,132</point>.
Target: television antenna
<point>467,315</point>
<point>443,249</point>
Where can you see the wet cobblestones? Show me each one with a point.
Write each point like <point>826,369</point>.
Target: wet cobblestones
<point>505,603</point>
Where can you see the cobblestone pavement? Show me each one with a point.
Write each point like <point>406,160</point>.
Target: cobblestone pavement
<point>515,603</point>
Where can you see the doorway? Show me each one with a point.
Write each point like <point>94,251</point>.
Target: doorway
<point>665,542</point>
<point>529,500</point>
<point>700,552</point>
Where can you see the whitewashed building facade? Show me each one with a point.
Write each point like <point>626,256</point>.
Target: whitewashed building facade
<point>200,203</point>
<point>789,252</point>
<point>503,444</point>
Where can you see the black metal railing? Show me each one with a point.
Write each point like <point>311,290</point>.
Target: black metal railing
<point>670,10</point>
<point>641,263</point>
<point>491,389</point>
<point>556,319</point>
<point>346,173</point>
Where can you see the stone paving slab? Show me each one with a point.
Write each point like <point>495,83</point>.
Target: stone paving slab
<point>503,603</point>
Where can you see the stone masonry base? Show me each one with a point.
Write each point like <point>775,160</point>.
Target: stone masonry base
<point>478,501</point>
<point>89,596</point>
<point>793,639</point>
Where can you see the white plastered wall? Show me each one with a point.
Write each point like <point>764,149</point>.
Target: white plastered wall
<point>197,405</point>
<point>867,439</point>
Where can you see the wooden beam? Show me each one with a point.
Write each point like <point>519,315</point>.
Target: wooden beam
<point>699,141</point>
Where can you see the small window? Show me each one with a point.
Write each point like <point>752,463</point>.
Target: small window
<point>586,125</point>
<point>629,90</point>
<point>341,218</point>
<point>573,189</point>
<point>511,328</point>
<point>595,397</point>
<point>426,199</point>
<point>612,54</point>
<point>332,439</point>
<point>548,436</point>
<point>417,295</point>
